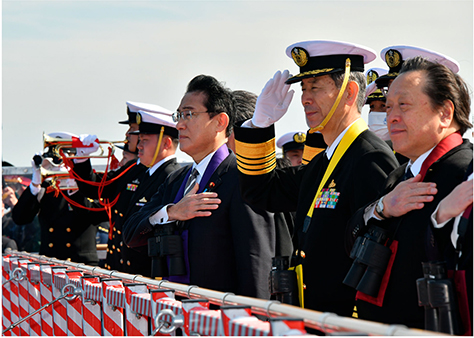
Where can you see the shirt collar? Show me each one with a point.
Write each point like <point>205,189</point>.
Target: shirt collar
<point>152,170</point>
<point>330,150</point>
<point>415,167</point>
<point>202,166</point>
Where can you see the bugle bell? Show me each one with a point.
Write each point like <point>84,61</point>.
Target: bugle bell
<point>56,144</point>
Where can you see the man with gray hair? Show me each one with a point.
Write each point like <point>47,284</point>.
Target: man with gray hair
<point>335,183</point>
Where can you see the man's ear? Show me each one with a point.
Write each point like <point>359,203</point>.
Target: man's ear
<point>166,142</point>
<point>222,121</point>
<point>352,91</point>
<point>447,113</point>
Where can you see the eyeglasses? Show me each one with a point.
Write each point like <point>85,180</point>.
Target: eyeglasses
<point>185,115</point>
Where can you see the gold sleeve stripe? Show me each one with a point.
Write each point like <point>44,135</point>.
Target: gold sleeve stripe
<point>257,165</point>
<point>255,150</point>
<point>267,158</point>
<point>309,153</point>
<point>265,170</point>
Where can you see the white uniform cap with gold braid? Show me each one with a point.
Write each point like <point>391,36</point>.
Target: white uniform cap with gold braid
<point>160,123</point>
<point>323,57</point>
<point>134,107</point>
<point>62,134</point>
<point>292,140</point>
<point>371,75</point>
<point>395,55</point>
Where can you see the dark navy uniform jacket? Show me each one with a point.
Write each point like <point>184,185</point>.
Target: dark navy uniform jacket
<point>357,179</point>
<point>135,187</point>
<point>66,231</point>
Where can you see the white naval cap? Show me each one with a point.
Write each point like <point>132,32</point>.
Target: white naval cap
<point>292,140</point>
<point>62,134</point>
<point>395,55</point>
<point>322,57</point>
<point>134,107</point>
<point>151,123</point>
<point>372,93</point>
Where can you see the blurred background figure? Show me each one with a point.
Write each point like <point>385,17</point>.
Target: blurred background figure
<point>292,144</point>
<point>26,237</point>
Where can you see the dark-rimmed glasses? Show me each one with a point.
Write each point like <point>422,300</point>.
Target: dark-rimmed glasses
<point>185,115</point>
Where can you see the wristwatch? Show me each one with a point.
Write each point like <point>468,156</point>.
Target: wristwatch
<point>379,208</point>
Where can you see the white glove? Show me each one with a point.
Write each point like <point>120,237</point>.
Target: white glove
<point>35,185</point>
<point>86,140</point>
<point>36,176</point>
<point>273,101</point>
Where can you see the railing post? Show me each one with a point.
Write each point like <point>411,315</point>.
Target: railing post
<point>91,302</point>
<point>59,307</point>
<point>46,289</point>
<point>6,291</point>
<point>33,274</point>
<point>136,324</point>
<point>112,315</point>
<point>74,306</point>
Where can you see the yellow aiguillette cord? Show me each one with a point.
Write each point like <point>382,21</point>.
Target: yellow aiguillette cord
<point>355,130</point>
<point>338,99</point>
<point>157,147</point>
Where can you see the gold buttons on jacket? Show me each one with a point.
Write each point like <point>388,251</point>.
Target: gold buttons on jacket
<point>115,229</point>
<point>118,250</point>
<point>304,286</point>
<point>50,245</point>
<point>121,261</point>
<point>68,245</point>
<point>119,232</point>
<point>116,211</point>
<point>121,243</point>
<point>51,229</point>
<point>303,255</point>
<point>121,215</point>
<point>68,229</point>
<point>113,247</point>
<point>128,263</point>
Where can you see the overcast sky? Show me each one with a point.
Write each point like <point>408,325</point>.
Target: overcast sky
<point>72,65</point>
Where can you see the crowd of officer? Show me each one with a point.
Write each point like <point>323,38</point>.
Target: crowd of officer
<point>368,221</point>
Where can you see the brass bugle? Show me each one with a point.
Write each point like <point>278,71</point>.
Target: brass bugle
<point>60,143</point>
<point>57,177</point>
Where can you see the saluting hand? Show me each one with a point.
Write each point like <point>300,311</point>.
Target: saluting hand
<point>409,195</point>
<point>194,205</point>
<point>273,101</point>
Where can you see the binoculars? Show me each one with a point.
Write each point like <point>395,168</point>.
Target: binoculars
<point>282,282</point>
<point>436,294</point>
<point>371,257</point>
<point>166,251</point>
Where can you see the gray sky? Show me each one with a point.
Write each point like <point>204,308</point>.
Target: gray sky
<point>72,65</point>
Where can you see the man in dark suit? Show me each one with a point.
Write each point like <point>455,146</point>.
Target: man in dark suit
<point>227,245</point>
<point>428,108</point>
<point>327,70</point>
<point>134,184</point>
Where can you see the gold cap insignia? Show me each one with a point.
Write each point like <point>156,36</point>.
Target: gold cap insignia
<point>299,137</point>
<point>372,75</point>
<point>300,56</point>
<point>393,58</point>
<point>139,118</point>
<point>143,200</point>
<point>332,184</point>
